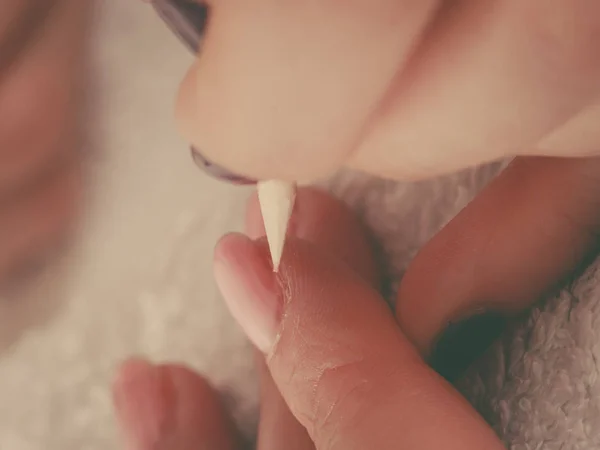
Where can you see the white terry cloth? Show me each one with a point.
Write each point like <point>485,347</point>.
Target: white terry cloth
<point>139,279</point>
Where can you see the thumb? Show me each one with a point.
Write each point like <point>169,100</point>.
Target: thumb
<point>265,97</point>
<point>337,356</point>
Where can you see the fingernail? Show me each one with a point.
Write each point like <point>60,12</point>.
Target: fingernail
<point>245,278</point>
<point>186,18</point>
<point>145,401</point>
<point>463,342</point>
<point>217,171</point>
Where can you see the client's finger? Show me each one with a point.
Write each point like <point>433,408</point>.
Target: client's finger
<point>278,428</point>
<point>169,408</point>
<point>527,231</point>
<point>337,355</point>
<point>329,224</point>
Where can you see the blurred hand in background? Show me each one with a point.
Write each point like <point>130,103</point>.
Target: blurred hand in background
<point>42,47</point>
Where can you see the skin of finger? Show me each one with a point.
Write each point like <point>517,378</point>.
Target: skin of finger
<point>491,79</point>
<point>517,240</point>
<point>328,223</point>
<point>169,407</point>
<point>343,366</point>
<point>37,218</point>
<point>40,97</point>
<point>144,402</point>
<point>280,89</point>
<point>200,414</point>
<point>278,428</point>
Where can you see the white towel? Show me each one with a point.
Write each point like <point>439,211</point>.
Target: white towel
<point>138,281</point>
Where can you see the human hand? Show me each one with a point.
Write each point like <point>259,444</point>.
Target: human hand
<point>272,96</point>
<point>349,374</point>
<point>41,56</point>
<point>400,90</point>
<point>295,90</point>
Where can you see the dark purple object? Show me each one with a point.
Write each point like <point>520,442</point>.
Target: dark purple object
<point>218,171</point>
<point>187,19</point>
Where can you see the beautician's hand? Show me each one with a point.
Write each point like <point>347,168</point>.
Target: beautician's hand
<point>296,90</point>
<point>397,88</point>
<point>41,44</point>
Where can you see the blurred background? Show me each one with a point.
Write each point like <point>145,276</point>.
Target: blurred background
<point>136,278</point>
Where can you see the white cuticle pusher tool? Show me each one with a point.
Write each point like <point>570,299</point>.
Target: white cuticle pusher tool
<point>188,20</point>
<point>276,200</point>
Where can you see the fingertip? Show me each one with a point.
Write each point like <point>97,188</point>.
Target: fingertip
<point>244,276</point>
<point>143,401</point>
<point>201,411</point>
<point>250,103</point>
<point>329,224</point>
<point>237,249</point>
<point>166,406</point>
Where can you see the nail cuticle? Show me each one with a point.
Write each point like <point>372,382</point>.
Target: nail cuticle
<point>252,296</point>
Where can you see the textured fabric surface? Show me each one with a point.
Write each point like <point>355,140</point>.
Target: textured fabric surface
<point>539,385</point>
<point>138,280</point>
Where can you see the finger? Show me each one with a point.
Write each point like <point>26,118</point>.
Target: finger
<point>169,408</point>
<point>492,79</point>
<point>519,238</point>
<point>281,90</point>
<point>337,355</point>
<point>329,224</point>
<point>278,428</point>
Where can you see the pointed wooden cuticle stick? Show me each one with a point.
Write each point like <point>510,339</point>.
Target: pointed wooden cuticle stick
<point>276,200</point>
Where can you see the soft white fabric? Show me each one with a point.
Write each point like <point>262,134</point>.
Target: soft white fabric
<point>539,385</point>
<point>138,281</point>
